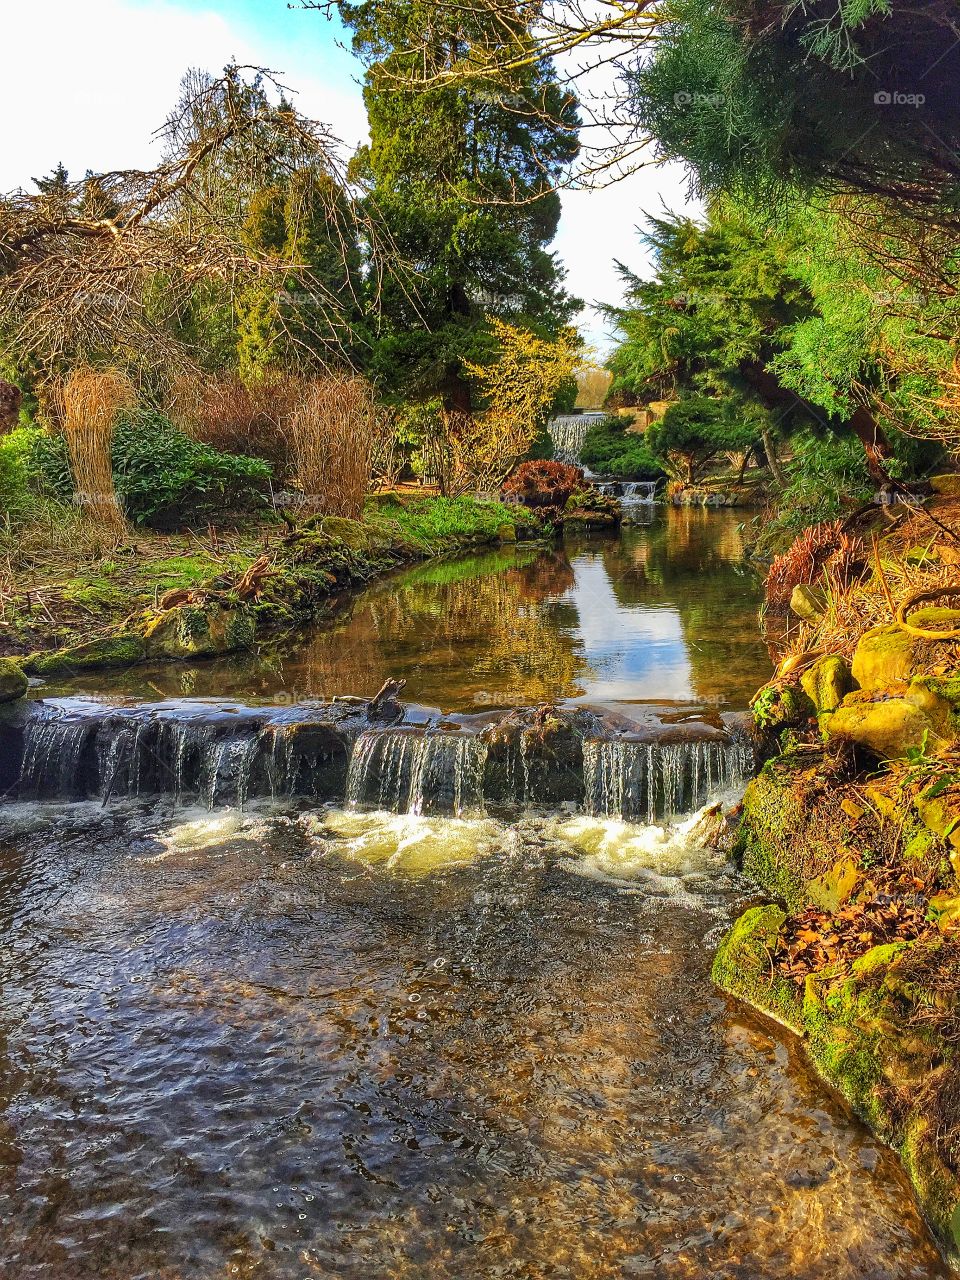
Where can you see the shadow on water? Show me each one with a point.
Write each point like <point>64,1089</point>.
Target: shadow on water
<point>661,612</point>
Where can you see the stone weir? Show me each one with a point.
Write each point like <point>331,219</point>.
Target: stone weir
<point>374,754</point>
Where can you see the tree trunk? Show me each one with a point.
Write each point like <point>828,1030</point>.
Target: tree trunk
<point>770,449</point>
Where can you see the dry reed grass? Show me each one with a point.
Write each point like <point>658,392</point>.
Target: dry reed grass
<point>91,400</point>
<point>223,411</point>
<point>335,432</point>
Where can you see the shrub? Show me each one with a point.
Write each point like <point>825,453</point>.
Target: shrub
<point>225,413</point>
<point>14,471</point>
<point>161,476</point>
<point>611,451</point>
<point>544,484</point>
<point>335,429</point>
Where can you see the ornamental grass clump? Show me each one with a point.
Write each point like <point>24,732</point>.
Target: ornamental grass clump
<point>334,433</point>
<point>91,401</point>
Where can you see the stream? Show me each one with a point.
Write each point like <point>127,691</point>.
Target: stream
<point>288,993</point>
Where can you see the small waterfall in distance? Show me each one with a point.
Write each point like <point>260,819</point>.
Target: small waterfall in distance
<point>568,432</point>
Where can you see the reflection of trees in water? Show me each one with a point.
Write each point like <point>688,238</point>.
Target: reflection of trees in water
<point>693,560</point>
<point>464,628</point>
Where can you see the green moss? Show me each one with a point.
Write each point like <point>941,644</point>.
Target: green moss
<point>112,651</point>
<point>827,682</point>
<point>782,706</point>
<point>13,683</point>
<point>884,656</point>
<point>743,965</point>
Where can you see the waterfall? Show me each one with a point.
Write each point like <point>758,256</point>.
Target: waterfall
<point>639,491</point>
<point>649,781</point>
<point>225,754</point>
<point>567,434</point>
<point>417,773</point>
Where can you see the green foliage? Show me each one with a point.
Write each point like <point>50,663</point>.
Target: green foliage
<point>694,430</point>
<point>826,478</point>
<point>435,520</point>
<point>161,476</point>
<point>773,99</point>
<point>460,179</point>
<point>609,450</point>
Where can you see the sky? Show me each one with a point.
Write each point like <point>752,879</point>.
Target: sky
<point>90,80</point>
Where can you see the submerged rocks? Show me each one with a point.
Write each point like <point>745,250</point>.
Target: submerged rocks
<point>13,682</point>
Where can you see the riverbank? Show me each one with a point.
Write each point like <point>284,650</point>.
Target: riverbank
<point>852,830</point>
<point>185,595</point>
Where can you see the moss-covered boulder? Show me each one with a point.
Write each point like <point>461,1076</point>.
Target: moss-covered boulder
<point>946,484</point>
<point>827,683</point>
<point>782,706</point>
<point>13,683</point>
<point>123,650</point>
<point>199,631</point>
<point>890,725</point>
<point>741,966</point>
<point>884,656</point>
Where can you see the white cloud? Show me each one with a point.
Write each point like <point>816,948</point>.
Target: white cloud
<point>91,81</point>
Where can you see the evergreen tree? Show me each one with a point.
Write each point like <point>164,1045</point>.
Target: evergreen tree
<point>461,179</point>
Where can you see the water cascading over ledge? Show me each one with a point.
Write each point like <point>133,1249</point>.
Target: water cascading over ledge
<point>219,754</point>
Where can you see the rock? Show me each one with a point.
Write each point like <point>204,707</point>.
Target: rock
<point>506,533</point>
<point>779,707</point>
<point>808,602</point>
<point>111,651</point>
<point>743,968</point>
<point>922,555</point>
<point>884,656</point>
<point>936,618</point>
<point>13,683</point>
<point>890,726</point>
<point>827,682</point>
<point>947,485</point>
<point>199,631</point>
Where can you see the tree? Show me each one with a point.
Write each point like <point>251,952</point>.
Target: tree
<point>108,269</point>
<point>727,302</point>
<point>461,177</point>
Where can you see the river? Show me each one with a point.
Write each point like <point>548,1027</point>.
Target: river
<point>303,1039</point>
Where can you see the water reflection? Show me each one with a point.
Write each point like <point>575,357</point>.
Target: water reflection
<point>662,612</point>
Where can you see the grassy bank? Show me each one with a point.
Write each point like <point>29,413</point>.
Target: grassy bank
<point>73,586</point>
<point>852,830</point>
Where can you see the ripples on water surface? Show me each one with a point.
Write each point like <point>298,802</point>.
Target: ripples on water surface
<point>332,1044</point>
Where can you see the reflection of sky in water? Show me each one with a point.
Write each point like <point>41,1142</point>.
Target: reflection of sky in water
<point>632,651</point>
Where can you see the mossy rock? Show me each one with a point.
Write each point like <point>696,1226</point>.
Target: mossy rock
<point>827,682</point>
<point>199,631</point>
<point>808,603</point>
<point>947,485</point>
<point>742,965</point>
<point>779,707</point>
<point>884,656</point>
<point>13,683</point>
<point>936,617</point>
<point>890,727</point>
<point>832,889</point>
<point>122,650</point>
<point>507,533</point>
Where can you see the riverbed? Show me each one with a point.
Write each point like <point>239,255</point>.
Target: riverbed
<point>301,1040</point>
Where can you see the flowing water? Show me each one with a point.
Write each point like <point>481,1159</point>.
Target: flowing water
<point>288,994</point>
